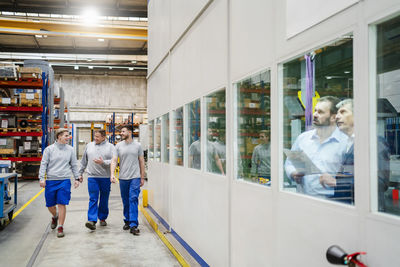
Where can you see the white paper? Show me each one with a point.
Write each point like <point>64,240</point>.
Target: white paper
<point>29,138</point>
<point>27,145</point>
<point>301,162</point>
<point>30,96</point>
<point>3,142</point>
<point>252,105</point>
<point>4,123</point>
<point>6,100</point>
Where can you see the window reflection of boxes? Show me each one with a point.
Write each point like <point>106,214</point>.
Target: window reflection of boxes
<point>8,146</point>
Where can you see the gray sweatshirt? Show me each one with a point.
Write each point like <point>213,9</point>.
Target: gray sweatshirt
<point>58,161</point>
<point>93,151</point>
<point>129,154</point>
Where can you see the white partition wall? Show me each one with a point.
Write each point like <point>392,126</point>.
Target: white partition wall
<point>197,48</point>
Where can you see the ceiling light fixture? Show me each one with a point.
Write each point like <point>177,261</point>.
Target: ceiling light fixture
<point>90,16</point>
<point>89,60</point>
<point>110,68</point>
<point>38,36</point>
<point>90,67</point>
<point>100,40</point>
<point>130,68</point>
<point>134,61</point>
<point>76,67</point>
<point>347,72</point>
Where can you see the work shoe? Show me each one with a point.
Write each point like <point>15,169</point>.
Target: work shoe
<point>91,225</point>
<point>126,226</point>
<point>103,223</point>
<point>135,230</point>
<point>60,232</point>
<point>54,222</point>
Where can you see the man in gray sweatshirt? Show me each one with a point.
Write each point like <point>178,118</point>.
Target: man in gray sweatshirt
<point>58,161</point>
<point>96,160</point>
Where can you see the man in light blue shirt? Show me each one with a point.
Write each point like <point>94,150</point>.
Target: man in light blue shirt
<point>325,146</point>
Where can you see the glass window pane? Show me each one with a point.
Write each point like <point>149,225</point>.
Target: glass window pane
<point>216,121</point>
<point>194,132</point>
<point>165,142</point>
<point>388,118</point>
<point>157,144</point>
<point>317,126</point>
<point>253,154</point>
<point>151,140</point>
<point>177,136</point>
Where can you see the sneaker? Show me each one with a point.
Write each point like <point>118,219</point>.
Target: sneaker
<point>134,230</point>
<point>60,232</point>
<point>126,226</point>
<point>91,225</point>
<point>103,223</point>
<point>54,222</point>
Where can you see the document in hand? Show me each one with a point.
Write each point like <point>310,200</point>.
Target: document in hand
<point>301,162</point>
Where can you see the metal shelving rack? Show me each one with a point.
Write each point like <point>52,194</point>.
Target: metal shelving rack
<point>111,127</point>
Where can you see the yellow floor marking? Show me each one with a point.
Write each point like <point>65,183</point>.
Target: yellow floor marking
<point>154,225</point>
<point>27,203</point>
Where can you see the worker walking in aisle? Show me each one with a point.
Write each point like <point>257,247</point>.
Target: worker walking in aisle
<point>97,160</point>
<point>57,163</point>
<point>131,176</point>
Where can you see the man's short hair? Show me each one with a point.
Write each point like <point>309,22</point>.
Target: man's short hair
<point>331,99</point>
<point>347,101</point>
<point>128,127</point>
<point>60,132</point>
<point>101,132</point>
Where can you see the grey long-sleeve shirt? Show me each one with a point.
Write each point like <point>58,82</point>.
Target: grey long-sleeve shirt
<point>261,160</point>
<point>93,151</point>
<point>59,162</point>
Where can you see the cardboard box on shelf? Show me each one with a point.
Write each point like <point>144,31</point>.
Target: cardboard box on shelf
<point>13,101</point>
<point>8,71</point>
<point>29,99</point>
<point>30,73</point>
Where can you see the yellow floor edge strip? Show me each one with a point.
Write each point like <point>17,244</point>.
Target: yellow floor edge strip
<point>27,203</point>
<point>154,225</point>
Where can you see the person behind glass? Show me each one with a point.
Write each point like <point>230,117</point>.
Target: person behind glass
<point>131,176</point>
<point>214,163</point>
<point>58,161</point>
<point>343,181</point>
<point>261,160</point>
<point>324,145</point>
<point>97,160</point>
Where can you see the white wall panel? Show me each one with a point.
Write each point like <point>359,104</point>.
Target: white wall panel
<point>158,31</point>
<point>198,64</point>
<point>183,13</point>
<point>159,89</point>
<point>252,25</point>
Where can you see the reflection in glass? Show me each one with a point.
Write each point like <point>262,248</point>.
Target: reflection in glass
<point>165,141</point>
<point>177,136</point>
<point>388,107</point>
<point>216,146</point>
<point>319,157</point>
<point>157,144</point>
<point>151,140</point>
<point>194,132</point>
<point>253,128</point>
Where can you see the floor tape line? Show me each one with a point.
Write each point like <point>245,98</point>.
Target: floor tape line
<point>27,203</point>
<point>154,225</point>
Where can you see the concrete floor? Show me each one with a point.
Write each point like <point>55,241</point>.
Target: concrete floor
<point>28,240</point>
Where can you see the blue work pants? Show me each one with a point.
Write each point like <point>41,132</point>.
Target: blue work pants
<point>96,187</point>
<point>130,190</point>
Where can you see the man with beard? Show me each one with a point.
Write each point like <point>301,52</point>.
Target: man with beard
<point>131,176</point>
<point>325,146</point>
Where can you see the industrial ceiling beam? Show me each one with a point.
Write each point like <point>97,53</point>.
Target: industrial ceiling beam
<point>60,50</point>
<point>51,7</point>
<point>76,30</point>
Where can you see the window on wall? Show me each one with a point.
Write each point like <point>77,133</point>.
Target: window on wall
<point>151,140</point>
<point>157,141</point>
<point>388,118</point>
<point>194,132</point>
<point>216,132</point>
<point>318,136</point>
<point>165,138</point>
<point>253,156</point>
<point>177,137</point>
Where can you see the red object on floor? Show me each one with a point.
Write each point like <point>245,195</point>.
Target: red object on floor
<point>395,194</point>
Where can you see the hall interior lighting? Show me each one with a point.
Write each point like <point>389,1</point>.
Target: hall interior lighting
<point>90,16</point>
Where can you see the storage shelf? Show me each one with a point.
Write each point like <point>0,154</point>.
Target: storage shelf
<point>22,84</point>
<point>21,109</point>
<point>260,91</point>
<point>21,134</point>
<point>21,159</point>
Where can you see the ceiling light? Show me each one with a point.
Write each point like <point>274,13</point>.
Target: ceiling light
<point>347,72</point>
<point>130,68</point>
<point>44,36</point>
<point>328,77</point>
<point>38,36</point>
<point>110,68</point>
<point>36,20</point>
<point>89,60</point>
<point>90,16</point>
<point>90,67</point>
<point>134,61</point>
<point>76,67</point>
<point>100,40</point>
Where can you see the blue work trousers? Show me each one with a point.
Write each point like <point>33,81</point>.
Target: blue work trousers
<point>130,190</point>
<point>96,187</point>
